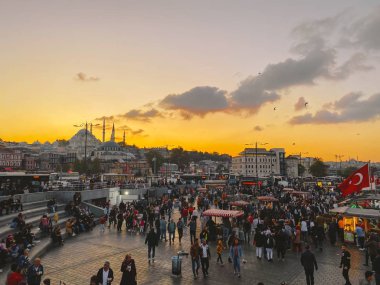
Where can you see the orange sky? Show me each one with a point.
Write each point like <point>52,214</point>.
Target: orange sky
<point>131,56</point>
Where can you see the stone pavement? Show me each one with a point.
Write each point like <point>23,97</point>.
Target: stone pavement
<point>82,256</point>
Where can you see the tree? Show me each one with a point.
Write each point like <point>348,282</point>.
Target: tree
<point>180,157</point>
<point>301,169</point>
<point>318,168</point>
<point>63,143</point>
<point>159,159</point>
<point>347,171</point>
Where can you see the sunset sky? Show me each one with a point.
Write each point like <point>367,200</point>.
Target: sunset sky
<point>205,75</point>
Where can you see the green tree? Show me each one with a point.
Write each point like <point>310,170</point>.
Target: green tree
<point>347,171</point>
<point>318,168</point>
<point>180,157</point>
<point>159,159</point>
<point>301,169</point>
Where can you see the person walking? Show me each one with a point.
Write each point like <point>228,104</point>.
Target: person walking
<point>128,268</point>
<point>180,225</point>
<point>205,256</point>
<point>35,272</point>
<point>151,240</point>
<point>171,231</point>
<point>281,239</point>
<point>309,262</point>
<point>194,253</point>
<point>105,274</point>
<point>163,229</point>
<point>193,229</point>
<point>269,244</point>
<point>219,250</point>
<point>259,241</point>
<point>345,263</point>
<point>376,267</point>
<point>235,255</point>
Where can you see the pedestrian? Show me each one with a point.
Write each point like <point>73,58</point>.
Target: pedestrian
<point>94,280</point>
<point>205,256</point>
<point>309,262</point>
<point>163,229</point>
<point>376,267</point>
<point>269,244</point>
<point>194,253</point>
<point>15,277</point>
<point>219,250</point>
<point>236,254</point>
<point>193,229</point>
<point>35,272</point>
<point>180,225</point>
<point>360,236</point>
<point>371,246</point>
<point>128,268</point>
<point>102,222</point>
<point>151,240</point>
<point>259,241</point>
<point>120,220</point>
<point>171,231</point>
<point>281,239</point>
<point>105,274</point>
<point>368,279</point>
<point>345,263</point>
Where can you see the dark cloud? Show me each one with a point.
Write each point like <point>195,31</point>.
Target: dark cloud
<point>258,128</point>
<point>83,77</point>
<point>142,115</point>
<point>350,108</point>
<point>197,101</point>
<point>137,132</point>
<point>300,105</point>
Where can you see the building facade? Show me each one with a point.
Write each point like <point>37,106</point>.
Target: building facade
<point>10,158</point>
<point>259,162</point>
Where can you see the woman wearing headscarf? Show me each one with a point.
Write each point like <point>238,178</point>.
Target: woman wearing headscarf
<point>128,268</point>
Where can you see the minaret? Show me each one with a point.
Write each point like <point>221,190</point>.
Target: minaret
<point>124,139</point>
<point>104,129</point>
<point>113,133</point>
<point>91,128</point>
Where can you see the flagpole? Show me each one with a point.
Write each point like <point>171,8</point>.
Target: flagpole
<point>369,177</point>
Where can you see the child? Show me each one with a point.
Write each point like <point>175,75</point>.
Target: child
<point>56,217</point>
<point>219,251</point>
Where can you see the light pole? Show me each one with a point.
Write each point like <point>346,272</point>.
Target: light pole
<point>154,159</point>
<point>85,141</point>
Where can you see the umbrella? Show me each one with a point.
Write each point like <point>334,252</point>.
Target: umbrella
<point>222,213</point>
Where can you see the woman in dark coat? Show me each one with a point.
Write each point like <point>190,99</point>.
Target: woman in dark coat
<point>128,268</point>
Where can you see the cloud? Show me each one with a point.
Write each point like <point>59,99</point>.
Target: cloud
<point>107,118</point>
<point>142,115</point>
<point>84,78</point>
<point>198,101</point>
<point>364,32</point>
<point>137,132</point>
<point>350,108</point>
<point>258,128</point>
<point>300,105</point>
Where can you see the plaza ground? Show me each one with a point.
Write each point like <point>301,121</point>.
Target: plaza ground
<point>82,256</point>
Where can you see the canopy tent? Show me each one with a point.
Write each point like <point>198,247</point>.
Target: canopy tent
<point>288,190</point>
<point>357,212</point>
<point>267,199</point>
<point>300,193</point>
<point>239,203</point>
<point>202,189</point>
<point>222,213</point>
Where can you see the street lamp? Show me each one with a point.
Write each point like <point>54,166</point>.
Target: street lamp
<point>85,141</point>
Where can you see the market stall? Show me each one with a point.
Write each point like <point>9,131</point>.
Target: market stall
<point>353,216</point>
<point>223,213</point>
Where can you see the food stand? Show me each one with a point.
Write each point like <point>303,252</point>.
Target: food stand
<point>223,213</point>
<point>239,203</point>
<point>351,218</point>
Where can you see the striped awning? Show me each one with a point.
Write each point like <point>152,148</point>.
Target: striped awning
<point>267,199</point>
<point>222,213</point>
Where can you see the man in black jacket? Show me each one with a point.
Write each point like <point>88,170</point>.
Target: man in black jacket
<point>308,262</point>
<point>376,267</point>
<point>35,272</point>
<point>345,262</point>
<point>151,240</point>
<point>105,274</point>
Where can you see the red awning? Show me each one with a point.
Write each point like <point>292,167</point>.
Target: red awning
<point>222,213</point>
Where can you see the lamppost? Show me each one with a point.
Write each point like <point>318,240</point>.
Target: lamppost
<point>85,141</point>
<point>154,159</point>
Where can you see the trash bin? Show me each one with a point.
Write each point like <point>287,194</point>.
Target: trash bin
<point>176,265</point>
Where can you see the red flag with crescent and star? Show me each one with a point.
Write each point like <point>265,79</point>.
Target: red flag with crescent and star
<point>358,180</point>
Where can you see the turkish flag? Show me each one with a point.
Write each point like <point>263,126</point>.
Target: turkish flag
<point>358,180</point>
